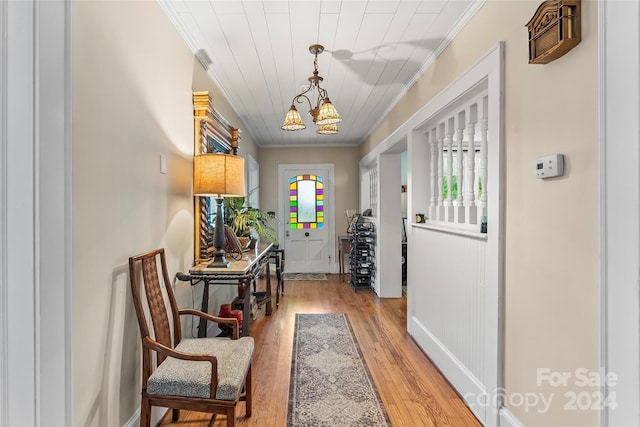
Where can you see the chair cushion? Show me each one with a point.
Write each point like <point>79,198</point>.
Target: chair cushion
<point>186,378</point>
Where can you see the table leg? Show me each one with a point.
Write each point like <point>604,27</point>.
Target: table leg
<point>281,278</point>
<point>246,309</point>
<point>278,279</point>
<point>267,311</point>
<point>202,326</point>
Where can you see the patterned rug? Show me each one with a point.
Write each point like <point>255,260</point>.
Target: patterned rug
<point>330,383</point>
<point>304,276</point>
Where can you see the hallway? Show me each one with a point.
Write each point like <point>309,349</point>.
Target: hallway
<point>413,391</point>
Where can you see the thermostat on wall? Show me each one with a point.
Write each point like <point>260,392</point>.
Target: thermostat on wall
<point>550,166</point>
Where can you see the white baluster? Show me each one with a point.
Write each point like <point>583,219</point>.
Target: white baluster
<point>448,140</point>
<point>440,138</point>
<point>459,136</point>
<point>469,175</point>
<point>433,185</point>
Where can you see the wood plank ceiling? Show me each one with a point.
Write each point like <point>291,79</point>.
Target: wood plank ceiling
<point>258,53</point>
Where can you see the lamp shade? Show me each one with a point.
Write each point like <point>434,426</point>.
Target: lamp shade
<point>330,129</point>
<point>293,121</point>
<point>328,114</point>
<point>218,175</point>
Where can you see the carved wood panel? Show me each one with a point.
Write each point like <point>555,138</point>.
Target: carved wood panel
<point>212,134</point>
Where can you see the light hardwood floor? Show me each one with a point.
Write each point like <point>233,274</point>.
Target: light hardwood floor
<point>413,391</point>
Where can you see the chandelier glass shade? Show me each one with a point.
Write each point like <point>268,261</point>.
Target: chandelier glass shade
<point>323,112</point>
<point>330,129</point>
<point>293,121</point>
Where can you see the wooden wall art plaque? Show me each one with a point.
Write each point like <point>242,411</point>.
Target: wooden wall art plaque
<point>554,30</point>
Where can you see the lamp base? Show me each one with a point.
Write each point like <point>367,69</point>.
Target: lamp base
<point>219,261</point>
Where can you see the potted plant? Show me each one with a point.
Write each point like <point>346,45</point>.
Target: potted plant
<point>248,222</point>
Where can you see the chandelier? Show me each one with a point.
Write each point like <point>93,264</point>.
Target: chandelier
<point>324,115</point>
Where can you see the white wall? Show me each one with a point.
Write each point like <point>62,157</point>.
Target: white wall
<point>132,96</point>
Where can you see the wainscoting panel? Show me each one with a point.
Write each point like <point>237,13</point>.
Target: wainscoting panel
<point>450,321</point>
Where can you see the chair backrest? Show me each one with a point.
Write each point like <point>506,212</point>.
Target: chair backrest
<point>145,266</point>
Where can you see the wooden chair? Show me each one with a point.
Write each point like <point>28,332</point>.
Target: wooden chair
<point>204,374</point>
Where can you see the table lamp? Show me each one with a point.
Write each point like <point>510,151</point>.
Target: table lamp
<point>218,175</point>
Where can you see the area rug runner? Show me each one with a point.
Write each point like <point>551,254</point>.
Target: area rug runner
<point>304,276</point>
<point>330,383</point>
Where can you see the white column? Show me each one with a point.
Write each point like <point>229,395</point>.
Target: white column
<point>418,174</point>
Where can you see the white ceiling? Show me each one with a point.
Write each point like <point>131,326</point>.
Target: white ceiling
<point>258,53</point>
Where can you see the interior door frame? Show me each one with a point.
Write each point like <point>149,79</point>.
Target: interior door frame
<point>330,212</point>
<point>253,182</point>
<point>36,214</point>
<point>619,122</point>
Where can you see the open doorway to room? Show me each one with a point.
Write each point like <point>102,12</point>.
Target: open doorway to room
<point>386,167</point>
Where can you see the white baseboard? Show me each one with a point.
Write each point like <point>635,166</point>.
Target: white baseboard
<point>157,414</point>
<point>134,421</point>
<point>507,419</point>
<point>462,380</point>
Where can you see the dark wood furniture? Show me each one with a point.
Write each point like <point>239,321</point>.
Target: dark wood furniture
<point>277,257</point>
<point>344,248</point>
<point>240,272</point>
<point>175,381</point>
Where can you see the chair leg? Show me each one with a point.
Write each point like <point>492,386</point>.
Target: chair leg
<point>145,413</point>
<point>248,392</point>
<point>281,272</point>
<point>280,284</point>
<point>175,415</point>
<point>231,417</point>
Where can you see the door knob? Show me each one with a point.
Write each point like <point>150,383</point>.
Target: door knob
<point>306,234</point>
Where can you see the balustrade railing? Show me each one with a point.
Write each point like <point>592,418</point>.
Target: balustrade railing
<point>459,172</point>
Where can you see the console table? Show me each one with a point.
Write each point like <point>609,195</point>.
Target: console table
<point>243,272</point>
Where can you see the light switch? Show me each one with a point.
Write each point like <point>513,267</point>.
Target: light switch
<point>163,164</point>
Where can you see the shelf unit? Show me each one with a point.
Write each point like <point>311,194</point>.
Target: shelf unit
<point>363,256</point>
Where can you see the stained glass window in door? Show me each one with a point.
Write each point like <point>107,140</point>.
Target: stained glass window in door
<point>306,201</point>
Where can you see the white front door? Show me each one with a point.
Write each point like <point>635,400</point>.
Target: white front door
<point>306,208</point>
